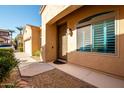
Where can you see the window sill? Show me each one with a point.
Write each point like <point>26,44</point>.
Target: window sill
<point>100,54</point>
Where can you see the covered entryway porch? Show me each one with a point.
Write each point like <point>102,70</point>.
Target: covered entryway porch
<point>55,36</point>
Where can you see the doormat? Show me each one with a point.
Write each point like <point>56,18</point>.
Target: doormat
<point>58,62</point>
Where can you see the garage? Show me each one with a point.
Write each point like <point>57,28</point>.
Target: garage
<point>28,47</point>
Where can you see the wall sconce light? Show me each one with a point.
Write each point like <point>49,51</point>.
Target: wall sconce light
<point>70,31</point>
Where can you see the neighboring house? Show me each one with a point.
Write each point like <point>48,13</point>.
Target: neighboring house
<point>90,36</point>
<point>31,37</point>
<point>4,36</point>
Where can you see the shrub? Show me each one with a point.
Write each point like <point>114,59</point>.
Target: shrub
<point>7,50</point>
<point>37,53</point>
<point>21,49</point>
<point>7,63</point>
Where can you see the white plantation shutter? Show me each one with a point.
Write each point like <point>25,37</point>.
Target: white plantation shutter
<point>87,38</point>
<point>80,39</point>
<point>84,38</point>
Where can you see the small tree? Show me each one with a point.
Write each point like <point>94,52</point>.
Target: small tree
<point>20,38</point>
<point>11,33</point>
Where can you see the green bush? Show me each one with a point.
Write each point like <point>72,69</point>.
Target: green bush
<point>7,63</point>
<point>21,49</point>
<point>6,50</point>
<point>37,53</point>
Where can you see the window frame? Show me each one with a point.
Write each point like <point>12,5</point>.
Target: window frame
<point>95,21</point>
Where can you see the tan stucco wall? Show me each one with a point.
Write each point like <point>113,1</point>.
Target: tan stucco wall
<point>104,62</point>
<point>47,14</point>
<point>36,41</point>
<point>113,64</point>
<point>50,14</point>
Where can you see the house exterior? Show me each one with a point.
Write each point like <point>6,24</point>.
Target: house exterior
<point>90,36</point>
<point>4,36</point>
<point>31,37</point>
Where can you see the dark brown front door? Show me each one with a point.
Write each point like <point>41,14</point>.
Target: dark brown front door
<point>62,41</point>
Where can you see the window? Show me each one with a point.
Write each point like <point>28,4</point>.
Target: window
<point>104,36</point>
<point>97,36</point>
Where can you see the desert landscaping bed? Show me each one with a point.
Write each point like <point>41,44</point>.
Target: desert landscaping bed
<point>12,79</point>
<point>56,79</point>
<point>50,79</point>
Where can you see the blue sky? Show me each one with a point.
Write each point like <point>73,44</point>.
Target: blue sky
<point>12,16</point>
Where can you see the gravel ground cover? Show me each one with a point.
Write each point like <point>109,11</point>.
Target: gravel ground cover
<point>56,79</point>
<point>50,79</point>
